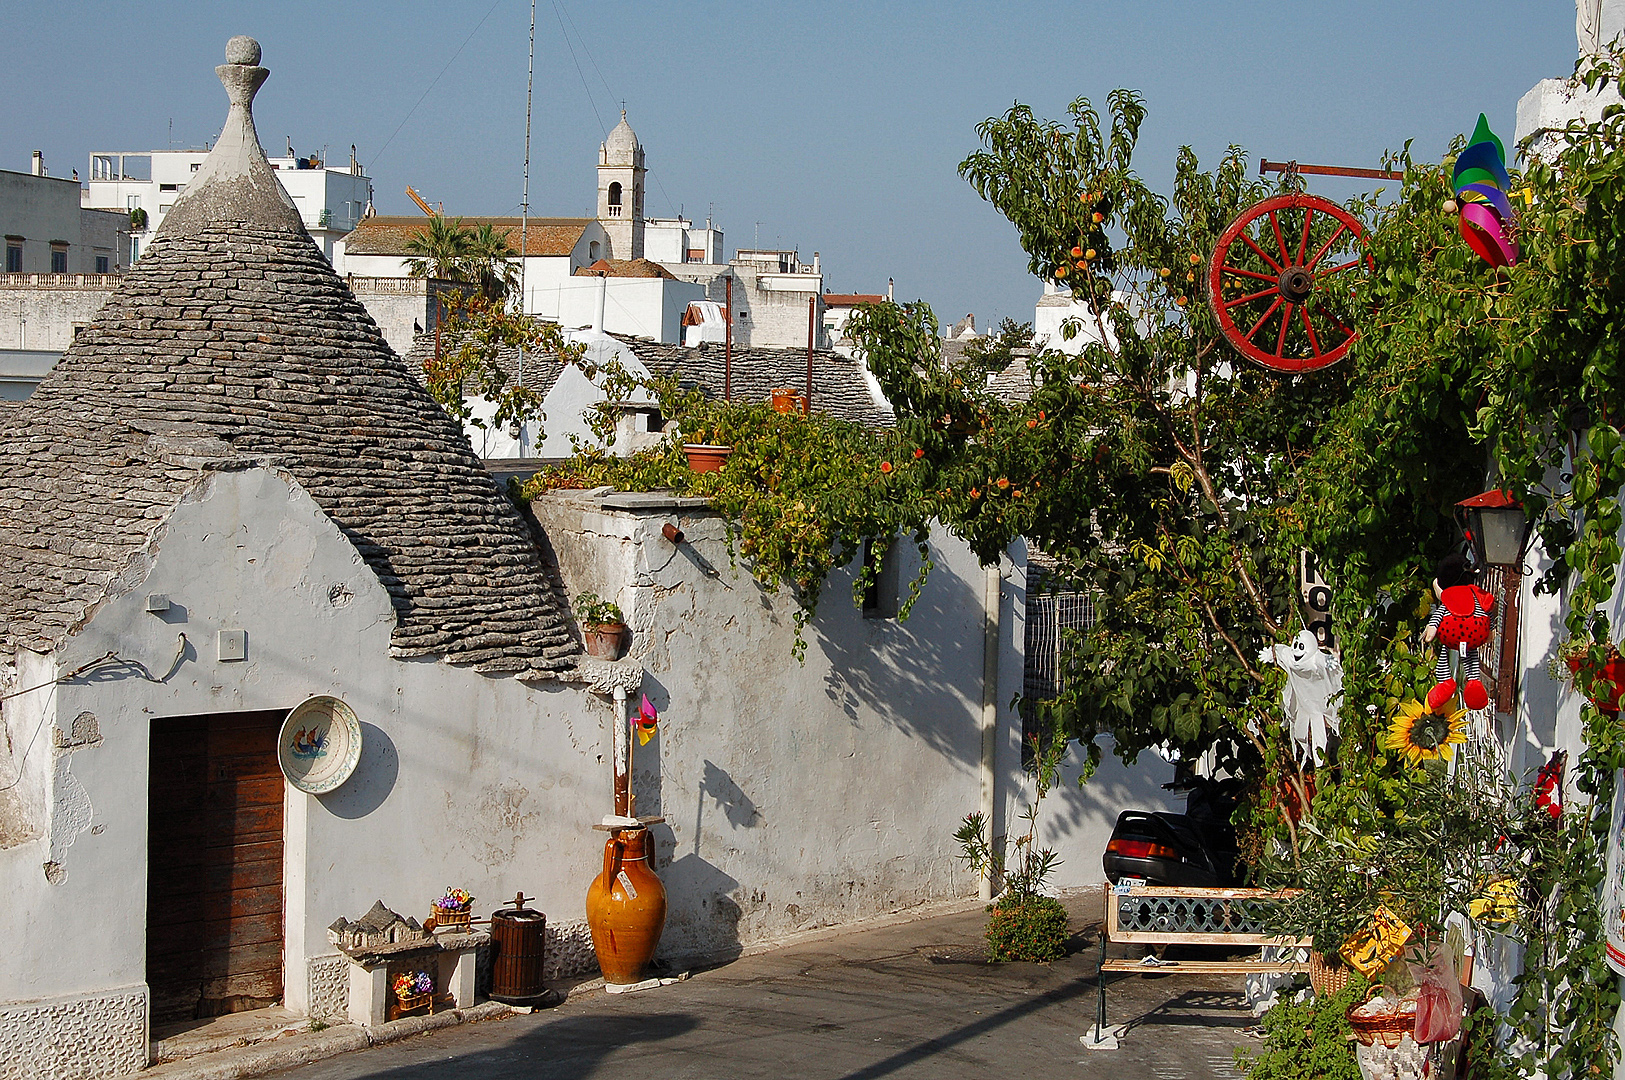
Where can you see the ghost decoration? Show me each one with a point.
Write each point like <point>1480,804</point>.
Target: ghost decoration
<point>1313,679</point>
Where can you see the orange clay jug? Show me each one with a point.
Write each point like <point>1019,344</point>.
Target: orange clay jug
<point>626,907</point>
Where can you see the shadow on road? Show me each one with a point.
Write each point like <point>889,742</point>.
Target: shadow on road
<point>571,1046</point>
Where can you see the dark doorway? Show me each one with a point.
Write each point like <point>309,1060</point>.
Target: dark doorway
<point>214,872</point>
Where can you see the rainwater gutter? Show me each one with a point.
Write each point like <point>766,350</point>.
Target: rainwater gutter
<point>990,713</point>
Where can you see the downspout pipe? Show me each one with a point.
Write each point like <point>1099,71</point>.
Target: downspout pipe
<point>991,596</point>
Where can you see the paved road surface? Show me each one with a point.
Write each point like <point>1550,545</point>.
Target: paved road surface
<point>896,1002</point>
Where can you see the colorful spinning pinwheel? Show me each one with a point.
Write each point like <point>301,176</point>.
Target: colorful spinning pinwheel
<point>1482,185</point>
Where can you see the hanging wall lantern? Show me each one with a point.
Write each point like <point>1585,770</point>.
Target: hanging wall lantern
<point>1497,528</point>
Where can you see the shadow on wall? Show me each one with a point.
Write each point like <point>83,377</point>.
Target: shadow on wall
<point>702,917</point>
<point>906,671</point>
<point>372,781</point>
<point>1077,821</point>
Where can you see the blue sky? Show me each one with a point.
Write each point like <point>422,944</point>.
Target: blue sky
<point>837,126</point>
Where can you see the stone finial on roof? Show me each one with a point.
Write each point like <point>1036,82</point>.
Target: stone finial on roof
<point>236,182</point>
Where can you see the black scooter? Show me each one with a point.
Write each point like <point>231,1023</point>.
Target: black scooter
<point>1193,849</point>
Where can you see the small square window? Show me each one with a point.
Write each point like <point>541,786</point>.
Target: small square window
<point>14,258</point>
<point>102,262</point>
<point>881,594</point>
<point>59,260</point>
<point>195,165</point>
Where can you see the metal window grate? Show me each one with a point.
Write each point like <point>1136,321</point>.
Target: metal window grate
<point>1049,615</point>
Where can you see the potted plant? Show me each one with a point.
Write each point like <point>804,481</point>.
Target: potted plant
<point>1602,680</point>
<point>1023,923</point>
<point>703,455</point>
<point>786,399</point>
<point>603,627</point>
<point>452,911</point>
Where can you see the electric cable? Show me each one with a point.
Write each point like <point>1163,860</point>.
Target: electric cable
<point>432,85</point>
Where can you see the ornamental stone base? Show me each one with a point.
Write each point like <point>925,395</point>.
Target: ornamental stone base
<point>84,1037</point>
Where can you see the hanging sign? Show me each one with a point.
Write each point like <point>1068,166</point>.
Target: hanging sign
<point>1317,600</point>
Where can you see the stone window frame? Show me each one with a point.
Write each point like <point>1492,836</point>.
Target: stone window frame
<point>14,254</point>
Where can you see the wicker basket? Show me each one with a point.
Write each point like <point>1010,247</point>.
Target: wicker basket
<point>1327,978</point>
<point>452,918</point>
<point>1387,1028</point>
<point>405,1006</point>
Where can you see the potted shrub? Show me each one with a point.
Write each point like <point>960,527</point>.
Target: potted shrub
<point>1602,681</point>
<point>706,456</point>
<point>1023,923</point>
<point>603,627</point>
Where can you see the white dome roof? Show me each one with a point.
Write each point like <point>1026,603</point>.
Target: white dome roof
<point>621,148</point>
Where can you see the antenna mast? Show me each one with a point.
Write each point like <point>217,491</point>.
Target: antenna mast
<point>524,198</point>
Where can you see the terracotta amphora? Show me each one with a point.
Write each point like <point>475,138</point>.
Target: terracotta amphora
<point>626,907</point>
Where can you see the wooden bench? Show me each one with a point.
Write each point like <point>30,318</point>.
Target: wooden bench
<point>1166,915</point>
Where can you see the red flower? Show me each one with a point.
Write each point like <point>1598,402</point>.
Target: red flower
<point>1032,423</point>
<point>885,466</point>
<point>918,453</point>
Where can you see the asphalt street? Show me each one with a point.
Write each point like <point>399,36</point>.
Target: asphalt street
<point>906,1000</point>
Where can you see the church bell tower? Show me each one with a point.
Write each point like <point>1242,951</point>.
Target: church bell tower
<point>620,191</point>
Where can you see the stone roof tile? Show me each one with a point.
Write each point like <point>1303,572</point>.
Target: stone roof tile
<point>840,383</point>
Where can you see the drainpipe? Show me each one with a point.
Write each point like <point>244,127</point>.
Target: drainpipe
<point>603,292</point>
<point>622,746</point>
<point>990,711</point>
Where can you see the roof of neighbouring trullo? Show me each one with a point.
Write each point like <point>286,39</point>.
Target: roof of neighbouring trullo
<point>232,344</point>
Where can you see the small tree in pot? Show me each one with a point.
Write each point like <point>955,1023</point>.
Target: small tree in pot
<point>1023,924</point>
<point>603,627</point>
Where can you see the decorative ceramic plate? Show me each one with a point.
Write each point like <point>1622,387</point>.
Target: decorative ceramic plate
<point>319,745</point>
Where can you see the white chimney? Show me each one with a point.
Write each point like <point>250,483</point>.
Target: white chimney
<point>888,288</point>
<point>37,167</point>
<point>815,262</point>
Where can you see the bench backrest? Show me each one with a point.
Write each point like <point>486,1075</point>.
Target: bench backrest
<point>1169,915</point>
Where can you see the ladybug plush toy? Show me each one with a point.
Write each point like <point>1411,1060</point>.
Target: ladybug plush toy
<point>1460,622</point>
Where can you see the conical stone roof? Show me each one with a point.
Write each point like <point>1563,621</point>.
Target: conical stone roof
<point>232,344</point>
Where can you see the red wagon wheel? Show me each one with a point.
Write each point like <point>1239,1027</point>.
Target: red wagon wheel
<point>1281,282</point>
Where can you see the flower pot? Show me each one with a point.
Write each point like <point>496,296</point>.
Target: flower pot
<point>1613,671</point>
<point>406,1006</point>
<point>451,918</point>
<point>704,457</point>
<point>626,907</point>
<point>1328,977</point>
<point>786,400</point>
<point>606,641</point>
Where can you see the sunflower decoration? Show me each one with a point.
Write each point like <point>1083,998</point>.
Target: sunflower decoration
<point>1422,734</point>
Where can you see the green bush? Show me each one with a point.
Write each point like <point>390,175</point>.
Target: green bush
<point>1033,928</point>
<point>1307,1040</point>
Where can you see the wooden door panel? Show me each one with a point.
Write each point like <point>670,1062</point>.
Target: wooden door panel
<point>214,884</point>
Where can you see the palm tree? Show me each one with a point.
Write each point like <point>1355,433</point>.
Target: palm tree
<point>492,263</point>
<point>441,249</point>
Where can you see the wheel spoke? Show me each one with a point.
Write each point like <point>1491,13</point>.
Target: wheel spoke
<point>1286,321</point>
<point>1330,240</point>
<point>1348,333</point>
<point>1303,244</point>
<point>1253,296</point>
<point>1279,239</point>
<point>1356,261</point>
<point>1239,272</point>
<point>1314,342</point>
<point>1260,252</point>
<point>1249,334</point>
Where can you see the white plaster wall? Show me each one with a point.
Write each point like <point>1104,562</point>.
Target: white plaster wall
<point>40,312</point>
<point>637,307</point>
<point>563,409</point>
<point>796,795</point>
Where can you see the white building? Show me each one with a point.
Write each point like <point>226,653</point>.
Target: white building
<point>331,201</point>
<point>676,240</point>
<point>48,231</point>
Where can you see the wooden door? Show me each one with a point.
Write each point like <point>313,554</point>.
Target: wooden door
<point>214,872</point>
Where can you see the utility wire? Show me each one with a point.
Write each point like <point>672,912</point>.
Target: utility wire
<point>432,85</point>
<point>588,51</point>
<point>557,11</point>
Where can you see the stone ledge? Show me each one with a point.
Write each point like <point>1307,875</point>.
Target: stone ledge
<point>284,1053</point>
